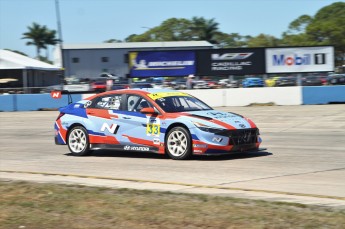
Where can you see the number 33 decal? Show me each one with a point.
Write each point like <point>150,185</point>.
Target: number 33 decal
<point>153,129</point>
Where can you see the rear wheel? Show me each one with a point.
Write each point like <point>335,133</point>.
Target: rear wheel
<point>178,143</point>
<point>78,141</point>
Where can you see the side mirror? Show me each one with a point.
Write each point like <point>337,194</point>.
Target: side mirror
<point>148,110</point>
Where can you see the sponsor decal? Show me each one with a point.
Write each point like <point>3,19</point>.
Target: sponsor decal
<point>56,94</point>
<point>197,151</point>
<point>304,59</point>
<point>243,61</point>
<point>224,66</point>
<point>199,146</point>
<point>87,104</point>
<point>136,148</point>
<point>219,115</point>
<point>217,139</point>
<point>230,56</point>
<point>299,59</point>
<point>153,127</point>
<point>227,66</point>
<point>242,125</point>
<point>159,63</point>
<point>244,138</point>
<point>281,60</point>
<point>156,141</point>
<point>112,129</point>
<point>160,95</point>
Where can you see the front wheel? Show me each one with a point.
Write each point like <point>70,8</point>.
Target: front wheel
<point>178,144</point>
<point>78,141</point>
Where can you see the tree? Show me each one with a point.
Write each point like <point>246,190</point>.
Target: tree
<point>325,28</point>
<point>41,37</point>
<point>130,38</point>
<point>50,39</point>
<point>112,41</point>
<point>204,29</point>
<point>36,35</point>
<point>16,51</point>
<point>263,40</point>
<point>300,24</point>
<point>173,29</point>
<point>232,40</point>
<point>328,28</point>
<point>179,29</point>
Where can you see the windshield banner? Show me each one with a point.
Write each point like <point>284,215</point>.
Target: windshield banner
<point>160,64</point>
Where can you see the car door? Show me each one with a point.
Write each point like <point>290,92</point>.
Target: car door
<point>103,123</point>
<point>143,129</point>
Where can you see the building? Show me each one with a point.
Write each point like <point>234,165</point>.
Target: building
<point>25,73</point>
<point>91,60</point>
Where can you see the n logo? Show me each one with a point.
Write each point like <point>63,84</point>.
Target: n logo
<point>112,129</point>
<point>55,94</point>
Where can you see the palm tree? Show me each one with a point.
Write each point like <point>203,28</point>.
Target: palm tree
<point>36,35</point>
<point>205,29</point>
<point>50,39</point>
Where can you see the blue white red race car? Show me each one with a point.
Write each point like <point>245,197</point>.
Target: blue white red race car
<point>153,120</point>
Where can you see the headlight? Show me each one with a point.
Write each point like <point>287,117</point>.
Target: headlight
<point>206,128</point>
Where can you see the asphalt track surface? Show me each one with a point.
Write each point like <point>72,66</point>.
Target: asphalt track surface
<point>304,161</point>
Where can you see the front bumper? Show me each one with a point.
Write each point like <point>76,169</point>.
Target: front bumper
<point>226,142</point>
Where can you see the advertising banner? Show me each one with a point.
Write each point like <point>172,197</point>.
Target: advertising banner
<point>300,59</point>
<point>239,61</point>
<point>161,63</point>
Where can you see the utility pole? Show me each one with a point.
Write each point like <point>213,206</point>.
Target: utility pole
<point>58,19</point>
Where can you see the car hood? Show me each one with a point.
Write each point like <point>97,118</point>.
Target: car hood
<point>220,119</point>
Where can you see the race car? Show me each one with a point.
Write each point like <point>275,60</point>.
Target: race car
<point>153,120</point>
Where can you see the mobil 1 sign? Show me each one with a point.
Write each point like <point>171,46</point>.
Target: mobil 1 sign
<point>239,61</point>
<point>300,59</point>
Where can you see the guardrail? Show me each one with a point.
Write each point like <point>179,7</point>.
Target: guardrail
<point>213,97</point>
<point>33,102</point>
<point>21,90</point>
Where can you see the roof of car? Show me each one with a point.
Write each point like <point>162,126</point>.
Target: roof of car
<point>139,91</point>
<point>147,90</point>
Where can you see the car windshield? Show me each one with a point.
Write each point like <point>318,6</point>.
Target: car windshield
<point>181,104</point>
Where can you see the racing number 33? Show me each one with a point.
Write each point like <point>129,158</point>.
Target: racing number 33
<point>153,129</point>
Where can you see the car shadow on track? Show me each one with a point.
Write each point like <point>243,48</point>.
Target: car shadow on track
<point>235,156</point>
<point>128,154</point>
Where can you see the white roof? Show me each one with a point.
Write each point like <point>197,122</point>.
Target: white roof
<point>12,60</point>
<point>134,45</point>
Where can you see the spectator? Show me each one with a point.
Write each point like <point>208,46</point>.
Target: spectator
<point>190,82</point>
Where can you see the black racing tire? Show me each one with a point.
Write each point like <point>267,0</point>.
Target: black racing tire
<point>78,141</point>
<point>178,143</point>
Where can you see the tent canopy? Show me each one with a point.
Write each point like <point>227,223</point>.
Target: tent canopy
<point>12,60</point>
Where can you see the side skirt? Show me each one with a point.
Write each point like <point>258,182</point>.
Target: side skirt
<point>135,148</point>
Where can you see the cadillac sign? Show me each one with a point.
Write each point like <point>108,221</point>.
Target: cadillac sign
<point>243,61</point>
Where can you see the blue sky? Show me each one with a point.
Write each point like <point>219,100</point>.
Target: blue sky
<point>94,21</point>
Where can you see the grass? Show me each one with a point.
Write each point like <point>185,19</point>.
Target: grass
<point>33,205</point>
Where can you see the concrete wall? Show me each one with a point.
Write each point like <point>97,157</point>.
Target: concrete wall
<point>33,102</point>
<point>323,95</point>
<point>213,97</point>
<point>247,96</point>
